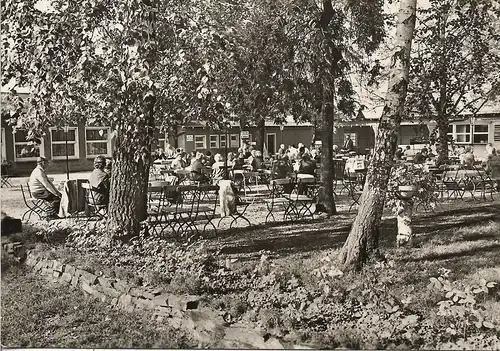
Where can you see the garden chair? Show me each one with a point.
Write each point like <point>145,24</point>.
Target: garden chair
<point>6,175</point>
<point>276,199</point>
<point>207,205</point>
<point>301,199</point>
<point>239,212</point>
<point>339,176</point>
<point>97,211</point>
<point>162,197</point>
<point>455,186</point>
<point>180,216</point>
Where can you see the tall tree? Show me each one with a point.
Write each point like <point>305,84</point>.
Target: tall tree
<point>101,61</point>
<point>455,63</point>
<point>363,239</point>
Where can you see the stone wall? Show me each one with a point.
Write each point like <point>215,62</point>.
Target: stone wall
<point>184,312</point>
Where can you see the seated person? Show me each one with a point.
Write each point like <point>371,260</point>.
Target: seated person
<point>177,163</point>
<point>160,154</point>
<point>170,151</point>
<point>281,150</point>
<point>419,158</point>
<point>258,161</point>
<point>492,163</point>
<point>398,156</point>
<point>281,167</point>
<point>218,170</point>
<point>239,163</point>
<point>209,159</point>
<point>230,159</point>
<point>99,182</point>
<point>467,157</point>
<point>407,151</point>
<point>248,152</point>
<point>193,157</point>
<point>196,169</point>
<point>42,188</point>
<point>307,165</point>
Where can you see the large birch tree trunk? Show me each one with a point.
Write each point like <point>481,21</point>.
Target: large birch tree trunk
<point>363,239</point>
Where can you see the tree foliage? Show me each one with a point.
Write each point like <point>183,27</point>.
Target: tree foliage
<point>455,61</point>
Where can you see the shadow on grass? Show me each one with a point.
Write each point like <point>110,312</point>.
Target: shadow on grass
<point>284,237</point>
<point>451,255</point>
<point>304,237</point>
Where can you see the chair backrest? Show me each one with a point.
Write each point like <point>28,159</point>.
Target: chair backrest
<point>306,180</point>
<point>280,181</point>
<point>26,193</point>
<point>338,169</point>
<point>280,186</point>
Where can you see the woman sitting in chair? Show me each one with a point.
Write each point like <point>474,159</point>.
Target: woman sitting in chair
<point>99,183</point>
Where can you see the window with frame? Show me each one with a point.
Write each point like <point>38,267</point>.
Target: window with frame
<point>214,141</point>
<point>234,140</point>
<point>24,149</point>
<point>97,141</point>
<point>58,143</point>
<point>222,140</point>
<point>161,142</point>
<point>200,142</point>
<point>469,134</point>
<point>480,134</point>
<point>462,134</point>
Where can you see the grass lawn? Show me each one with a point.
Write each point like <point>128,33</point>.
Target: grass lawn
<point>38,313</point>
<point>278,277</point>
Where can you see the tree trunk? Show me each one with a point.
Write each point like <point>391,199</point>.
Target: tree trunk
<point>130,176</point>
<point>442,150</point>
<point>261,135</point>
<point>326,201</point>
<point>442,118</point>
<point>363,239</point>
<point>132,153</point>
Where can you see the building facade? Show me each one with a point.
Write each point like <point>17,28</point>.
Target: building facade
<point>476,131</point>
<point>197,137</point>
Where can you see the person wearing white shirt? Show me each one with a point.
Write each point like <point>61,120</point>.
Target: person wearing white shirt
<point>42,188</point>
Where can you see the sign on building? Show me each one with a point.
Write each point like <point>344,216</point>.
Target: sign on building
<point>245,134</point>
<point>189,137</point>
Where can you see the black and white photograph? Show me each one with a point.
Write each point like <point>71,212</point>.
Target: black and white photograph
<point>250,174</point>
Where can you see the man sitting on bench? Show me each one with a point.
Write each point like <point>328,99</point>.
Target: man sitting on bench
<point>42,188</point>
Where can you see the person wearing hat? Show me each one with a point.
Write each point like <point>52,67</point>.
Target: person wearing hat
<point>99,182</point>
<point>42,188</point>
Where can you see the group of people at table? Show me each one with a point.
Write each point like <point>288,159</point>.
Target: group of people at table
<point>463,155</point>
<point>300,160</point>
<point>41,187</point>
<point>292,159</point>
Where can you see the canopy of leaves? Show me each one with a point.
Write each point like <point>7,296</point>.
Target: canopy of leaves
<point>455,62</point>
<point>98,60</point>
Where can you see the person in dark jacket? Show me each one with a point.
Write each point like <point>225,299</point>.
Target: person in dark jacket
<point>307,165</point>
<point>197,168</point>
<point>99,182</point>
